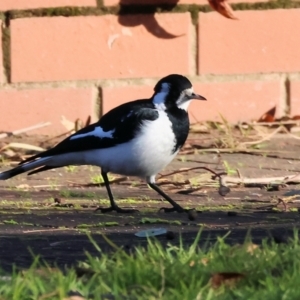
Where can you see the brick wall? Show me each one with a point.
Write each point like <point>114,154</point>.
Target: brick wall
<point>76,58</point>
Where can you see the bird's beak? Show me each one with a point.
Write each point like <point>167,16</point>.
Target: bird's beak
<point>197,97</point>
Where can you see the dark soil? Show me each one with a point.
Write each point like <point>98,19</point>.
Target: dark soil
<point>48,214</point>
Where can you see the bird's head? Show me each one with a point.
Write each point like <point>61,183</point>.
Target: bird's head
<point>174,91</point>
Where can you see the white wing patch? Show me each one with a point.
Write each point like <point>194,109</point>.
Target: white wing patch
<point>97,132</point>
<point>159,98</point>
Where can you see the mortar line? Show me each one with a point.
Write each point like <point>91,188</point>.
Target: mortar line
<point>98,104</point>
<point>193,50</point>
<point>111,82</point>
<point>99,3</point>
<point>6,48</point>
<point>287,95</point>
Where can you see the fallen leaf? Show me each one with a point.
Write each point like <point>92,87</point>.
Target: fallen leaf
<point>250,248</point>
<point>192,263</point>
<point>269,116</point>
<point>223,8</point>
<point>228,279</point>
<point>204,261</point>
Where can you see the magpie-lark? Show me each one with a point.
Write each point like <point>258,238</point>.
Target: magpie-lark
<point>137,138</point>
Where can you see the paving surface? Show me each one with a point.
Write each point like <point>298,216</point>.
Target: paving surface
<point>48,214</point>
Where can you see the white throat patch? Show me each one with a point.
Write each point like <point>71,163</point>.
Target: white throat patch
<point>185,105</point>
<point>183,102</point>
<point>159,98</point>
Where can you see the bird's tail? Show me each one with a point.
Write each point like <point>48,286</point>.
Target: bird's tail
<point>24,167</point>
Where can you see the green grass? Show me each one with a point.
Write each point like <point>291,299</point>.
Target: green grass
<point>223,272</point>
<point>228,169</point>
<point>98,179</point>
<point>10,222</point>
<point>71,169</point>
<point>101,224</point>
<point>13,222</point>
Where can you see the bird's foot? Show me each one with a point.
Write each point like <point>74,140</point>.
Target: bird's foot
<point>116,209</point>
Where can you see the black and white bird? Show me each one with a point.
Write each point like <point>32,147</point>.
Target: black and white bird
<point>137,138</point>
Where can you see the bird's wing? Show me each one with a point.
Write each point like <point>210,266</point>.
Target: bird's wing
<point>116,127</point>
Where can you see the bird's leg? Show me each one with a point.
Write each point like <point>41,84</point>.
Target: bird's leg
<point>113,205</point>
<point>176,207</point>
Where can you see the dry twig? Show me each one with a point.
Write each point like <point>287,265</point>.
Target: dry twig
<point>23,130</point>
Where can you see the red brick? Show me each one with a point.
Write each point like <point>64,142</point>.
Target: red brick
<point>92,47</point>
<point>114,96</point>
<point>236,101</point>
<point>295,98</point>
<point>24,108</point>
<point>254,43</point>
<point>30,4</point>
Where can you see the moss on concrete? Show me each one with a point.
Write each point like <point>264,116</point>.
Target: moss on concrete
<point>266,5</point>
<point>60,11</point>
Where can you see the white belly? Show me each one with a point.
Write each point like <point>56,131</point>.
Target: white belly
<point>144,156</point>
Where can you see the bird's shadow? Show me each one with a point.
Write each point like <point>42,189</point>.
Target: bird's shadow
<point>145,15</point>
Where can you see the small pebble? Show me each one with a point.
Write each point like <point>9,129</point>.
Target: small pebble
<point>170,235</point>
<point>223,190</point>
<point>57,200</point>
<point>192,215</point>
